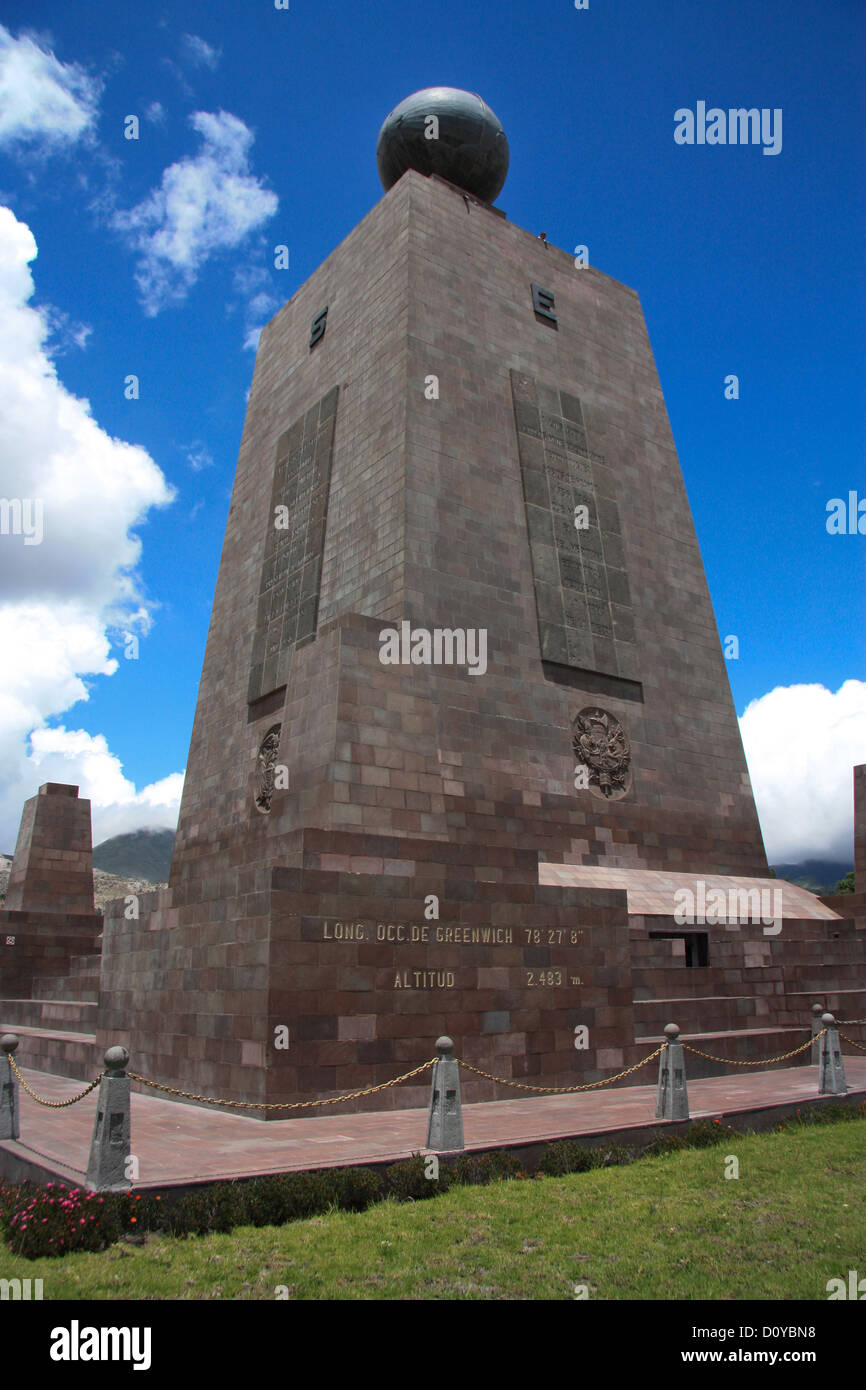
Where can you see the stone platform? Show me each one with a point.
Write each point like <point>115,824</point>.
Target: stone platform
<point>334,949</point>
<point>179,1145</point>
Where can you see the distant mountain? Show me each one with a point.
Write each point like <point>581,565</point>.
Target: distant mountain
<point>141,854</point>
<point>146,854</point>
<point>818,875</point>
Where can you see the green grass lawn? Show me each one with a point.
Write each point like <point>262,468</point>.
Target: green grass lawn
<point>663,1228</point>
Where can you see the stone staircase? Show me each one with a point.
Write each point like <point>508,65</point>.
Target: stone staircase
<point>756,1001</point>
<point>57,1025</point>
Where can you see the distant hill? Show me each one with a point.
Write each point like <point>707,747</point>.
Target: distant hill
<point>142,854</point>
<point>818,875</point>
<point>146,854</point>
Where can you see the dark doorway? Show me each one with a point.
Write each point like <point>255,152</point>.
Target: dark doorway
<point>697,945</point>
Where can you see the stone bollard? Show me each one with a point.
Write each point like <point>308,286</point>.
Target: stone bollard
<point>831,1070</point>
<point>672,1102</point>
<point>107,1168</point>
<point>9,1115</point>
<point>817,1025</point>
<point>445,1117</point>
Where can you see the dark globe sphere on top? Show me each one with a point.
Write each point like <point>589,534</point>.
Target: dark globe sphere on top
<point>471,149</point>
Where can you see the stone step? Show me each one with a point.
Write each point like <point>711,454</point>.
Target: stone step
<point>741,1045</point>
<point>73,1015</point>
<point>66,991</point>
<point>821,980</point>
<point>724,953</point>
<point>81,981</point>
<point>707,1013</point>
<point>55,1050</point>
<point>848,1005</point>
<point>85,965</point>
<point>681,982</point>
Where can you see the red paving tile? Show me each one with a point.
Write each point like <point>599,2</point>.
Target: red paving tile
<point>177,1143</point>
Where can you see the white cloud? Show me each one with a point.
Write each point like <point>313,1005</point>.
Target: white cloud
<point>198,456</point>
<point>71,755</point>
<point>64,332</point>
<point>802,742</point>
<point>155,113</point>
<point>263,304</point>
<point>61,599</point>
<point>200,53</point>
<point>205,205</point>
<point>42,99</point>
<point>254,287</point>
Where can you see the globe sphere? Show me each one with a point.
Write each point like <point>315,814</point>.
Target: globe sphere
<point>449,132</point>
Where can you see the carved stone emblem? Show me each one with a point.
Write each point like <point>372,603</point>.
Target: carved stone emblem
<point>267,757</point>
<point>601,745</point>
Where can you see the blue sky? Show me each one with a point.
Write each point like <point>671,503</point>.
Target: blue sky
<point>745,263</point>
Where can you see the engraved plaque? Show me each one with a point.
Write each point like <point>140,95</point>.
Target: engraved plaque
<point>293,545</point>
<point>582,596</point>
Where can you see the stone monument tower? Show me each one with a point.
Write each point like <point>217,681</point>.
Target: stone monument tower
<point>461,625</point>
<point>464,724</point>
<point>453,429</point>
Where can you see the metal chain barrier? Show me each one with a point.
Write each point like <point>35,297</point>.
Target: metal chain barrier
<point>563,1090</point>
<point>417,1071</point>
<point>762,1061</point>
<point>274,1105</point>
<point>51,1104</point>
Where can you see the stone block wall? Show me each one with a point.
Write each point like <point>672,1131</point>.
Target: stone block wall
<point>52,868</point>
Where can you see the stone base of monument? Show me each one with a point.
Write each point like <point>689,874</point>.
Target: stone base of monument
<point>336,972</point>
<point>339,973</point>
<point>333,975</point>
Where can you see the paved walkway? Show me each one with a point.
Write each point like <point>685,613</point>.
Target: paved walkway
<point>177,1143</point>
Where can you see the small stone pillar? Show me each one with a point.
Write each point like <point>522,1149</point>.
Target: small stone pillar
<point>445,1116</point>
<point>9,1115</point>
<point>817,1025</point>
<point>52,868</point>
<point>831,1070</point>
<point>672,1102</point>
<point>107,1169</point>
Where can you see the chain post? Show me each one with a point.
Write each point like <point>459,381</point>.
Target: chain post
<point>817,1011</point>
<point>672,1099</point>
<point>444,1114</point>
<point>831,1069</point>
<point>10,1127</point>
<point>108,1169</point>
